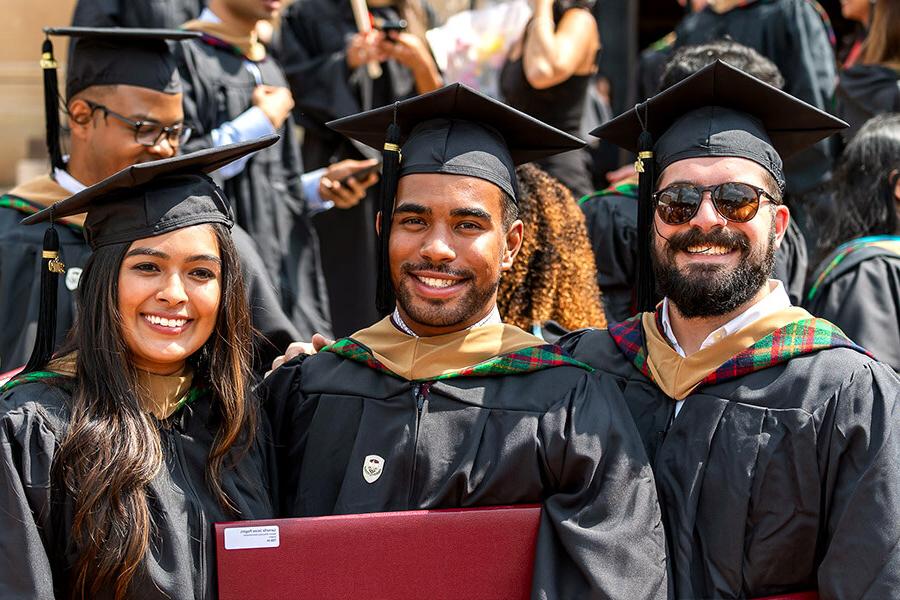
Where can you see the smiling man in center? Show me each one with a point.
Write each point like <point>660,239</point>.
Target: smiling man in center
<point>441,405</point>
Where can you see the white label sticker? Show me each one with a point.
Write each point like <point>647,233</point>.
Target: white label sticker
<point>245,538</point>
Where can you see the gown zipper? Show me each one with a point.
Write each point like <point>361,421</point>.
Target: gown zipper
<point>662,433</point>
<point>194,501</point>
<point>420,394</point>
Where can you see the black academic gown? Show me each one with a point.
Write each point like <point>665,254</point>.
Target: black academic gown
<point>793,35</point>
<point>311,46</point>
<point>792,262</point>
<point>20,283</point>
<point>861,295</point>
<point>181,561</point>
<point>479,441</point>
<point>153,14</point>
<point>611,219</point>
<point>864,91</point>
<point>781,480</point>
<point>266,196</point>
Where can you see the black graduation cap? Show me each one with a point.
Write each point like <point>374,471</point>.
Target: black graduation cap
<point>717,111</point>
<point>108,56</point>
<point>454,130</point>
<point>140,201</point>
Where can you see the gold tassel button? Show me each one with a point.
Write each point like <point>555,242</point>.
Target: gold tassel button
<point>47,61</point>
<point>393,148</point>
<point>639,163</point>
<point>55,265</point>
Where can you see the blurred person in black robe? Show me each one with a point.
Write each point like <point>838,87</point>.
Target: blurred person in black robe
<point>857,284</point>
<point>113,75</point>
<point>148,14</point>
<point>441,395</point>
<point>235,91</point>
<point>611,214</point>
<point>774,438</point>
<point>322,53</point>
<point>871,86</point>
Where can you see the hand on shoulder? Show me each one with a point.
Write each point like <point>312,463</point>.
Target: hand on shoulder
<point>318,342</point>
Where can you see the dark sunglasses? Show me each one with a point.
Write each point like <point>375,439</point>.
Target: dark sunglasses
<point>737,202</point>
<point>147,133</point>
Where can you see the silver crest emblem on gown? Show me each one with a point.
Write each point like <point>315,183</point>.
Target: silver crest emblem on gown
<point>373,465</point>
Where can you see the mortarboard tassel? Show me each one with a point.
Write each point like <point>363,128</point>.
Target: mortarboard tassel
<point>384,298</point>
<point>51,267</point>
<point>645,165</point>
<point>51,104</point>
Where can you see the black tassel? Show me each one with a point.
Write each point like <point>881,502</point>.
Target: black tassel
<point>646,168</point>
<point>51,267</point>
<point>51,105</point>
<point>384,294</point>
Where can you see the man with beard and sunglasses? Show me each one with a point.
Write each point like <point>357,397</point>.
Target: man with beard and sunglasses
<point>774,438</point>
<point>454,408</point>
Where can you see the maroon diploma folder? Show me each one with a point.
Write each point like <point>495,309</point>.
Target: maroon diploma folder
<point>483,553</point>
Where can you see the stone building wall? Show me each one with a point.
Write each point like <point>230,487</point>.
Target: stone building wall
<point>21,88</point>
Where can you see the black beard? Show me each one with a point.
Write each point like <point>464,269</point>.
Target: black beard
<point>713,290</point>
<point>435,313</point>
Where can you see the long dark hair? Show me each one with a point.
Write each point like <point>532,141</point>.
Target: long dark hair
<point>882,43</point>
<point>111,451</point>
<point>862,186</point>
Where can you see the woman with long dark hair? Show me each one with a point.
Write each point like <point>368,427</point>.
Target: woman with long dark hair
<point>857,283</point>
<point>119,452</point>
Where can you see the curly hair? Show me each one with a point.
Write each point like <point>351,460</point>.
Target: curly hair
<point>553,277</point>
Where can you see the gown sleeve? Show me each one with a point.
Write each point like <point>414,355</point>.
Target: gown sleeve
<point>287,410</point>
<point>862,487</point>
<point>601,533</point>
<point>27,446</point>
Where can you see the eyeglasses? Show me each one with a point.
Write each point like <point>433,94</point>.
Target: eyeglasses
<point>737,202</point>
<point>148,133</point>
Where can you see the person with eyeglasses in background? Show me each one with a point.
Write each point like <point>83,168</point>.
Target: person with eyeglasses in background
<point>774,438</point>
<point>123,103</point>
<point>115,118</point>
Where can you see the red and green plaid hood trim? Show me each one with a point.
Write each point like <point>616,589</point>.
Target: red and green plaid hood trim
<point>629,190</point>
<point>18,380</point>
<point>846,250</point>
<point>527,360</point>
<point>28,208</point>
<point>796,339</point>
